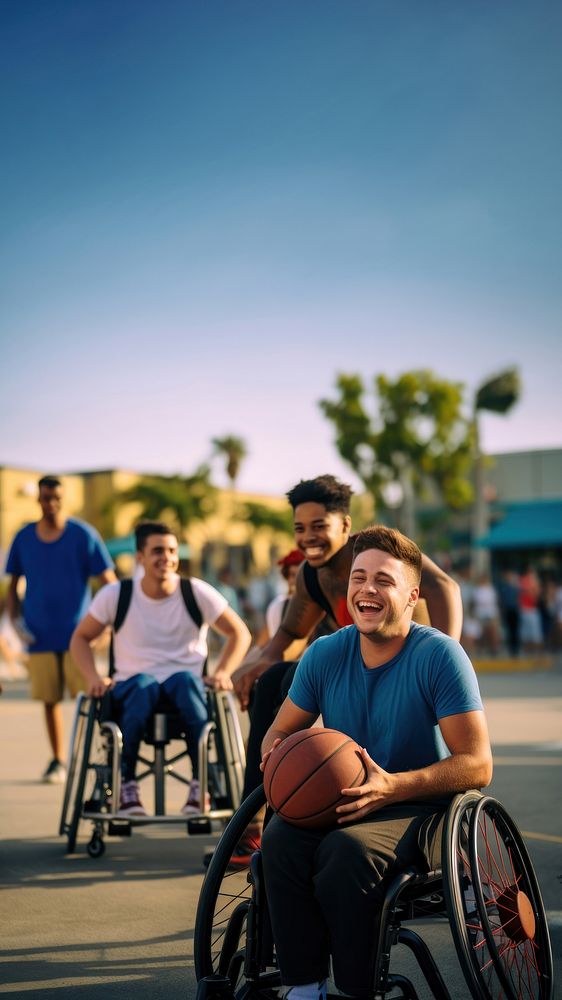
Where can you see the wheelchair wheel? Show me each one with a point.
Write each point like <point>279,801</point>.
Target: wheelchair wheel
<point>85,720</point>
<point>495,910</point>
<point>225,920</point>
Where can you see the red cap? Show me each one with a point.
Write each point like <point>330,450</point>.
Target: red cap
<point>293,558</point>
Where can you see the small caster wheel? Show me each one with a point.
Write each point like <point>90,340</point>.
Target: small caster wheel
<point>96,846</point>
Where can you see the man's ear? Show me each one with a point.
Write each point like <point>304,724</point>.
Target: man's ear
<point>347,522</point>
<point>414,597</point>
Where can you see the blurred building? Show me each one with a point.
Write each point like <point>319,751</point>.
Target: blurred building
<point>523,492</point>
<point>224,538</point>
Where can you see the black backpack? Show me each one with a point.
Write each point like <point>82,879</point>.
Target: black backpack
<point>314,589</point>
<point>329,624</point>
<point>124,600</point>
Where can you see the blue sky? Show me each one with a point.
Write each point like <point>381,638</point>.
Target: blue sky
<point>211,208</point>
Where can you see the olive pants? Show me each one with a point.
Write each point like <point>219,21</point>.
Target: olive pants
<point>324,889</point>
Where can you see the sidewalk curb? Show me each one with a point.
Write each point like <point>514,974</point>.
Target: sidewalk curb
<point>509,665</point>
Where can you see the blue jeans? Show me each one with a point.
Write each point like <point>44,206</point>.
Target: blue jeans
<point>137,697</point>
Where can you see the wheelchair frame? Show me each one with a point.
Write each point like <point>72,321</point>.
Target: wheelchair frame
<point>96,749</point>
<point>486,887</point>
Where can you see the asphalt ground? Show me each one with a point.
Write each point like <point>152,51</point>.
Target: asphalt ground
<point>122,925</point>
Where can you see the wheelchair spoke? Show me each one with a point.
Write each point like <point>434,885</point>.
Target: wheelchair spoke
<point>497,916</point>
<point>513,919</point>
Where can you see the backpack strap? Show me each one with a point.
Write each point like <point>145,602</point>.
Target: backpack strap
<point>123,601</point>
<point>193,609</point>
<point>314,589</point>
<point>125,594</point>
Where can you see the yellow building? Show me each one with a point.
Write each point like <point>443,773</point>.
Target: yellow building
<point>224,538</point>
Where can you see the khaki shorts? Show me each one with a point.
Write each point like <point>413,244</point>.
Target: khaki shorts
<point>50,673</point>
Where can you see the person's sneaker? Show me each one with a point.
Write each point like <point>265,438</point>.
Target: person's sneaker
<point>129,801</point>
<point>55,773</point>
<point>249,842</point>
<point>193,805</point>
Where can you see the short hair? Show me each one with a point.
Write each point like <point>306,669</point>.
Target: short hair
<point>326,490</point>
<point>51,482</point>
<point>392,541</point>
<point>146,528</point>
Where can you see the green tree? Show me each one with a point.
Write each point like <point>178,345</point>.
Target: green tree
<point>261,516</point>
<point>178,499</point>
<point>234,451</point>
<point>418,439</point>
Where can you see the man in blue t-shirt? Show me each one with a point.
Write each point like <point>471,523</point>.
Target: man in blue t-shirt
<point>408,695</point>
<point>57,557</point>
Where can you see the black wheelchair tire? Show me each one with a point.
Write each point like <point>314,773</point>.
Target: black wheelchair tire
<point>78,802</point>
<point>205,962</point>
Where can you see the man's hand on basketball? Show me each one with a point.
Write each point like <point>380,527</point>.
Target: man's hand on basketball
<point>267,754</point>
<point>376,792</point>
<point>99,685</point>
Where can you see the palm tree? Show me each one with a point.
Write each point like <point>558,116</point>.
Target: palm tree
<point>496,395</point>
<point>234,451</point>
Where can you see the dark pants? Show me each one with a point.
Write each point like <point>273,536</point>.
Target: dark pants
<point>269,694</point>
<point>324,889</point>
<point>511,622</point>
<point>137,697</point>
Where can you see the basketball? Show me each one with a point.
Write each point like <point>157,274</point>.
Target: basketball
<point>305,774</point>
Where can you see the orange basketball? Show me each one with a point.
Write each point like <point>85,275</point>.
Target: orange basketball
<point>305,774</point>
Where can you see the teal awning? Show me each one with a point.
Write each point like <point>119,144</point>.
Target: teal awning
<point>533,525</point>
<point>126,546</point>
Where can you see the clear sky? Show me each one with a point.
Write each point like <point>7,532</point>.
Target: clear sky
<point>210,208</point>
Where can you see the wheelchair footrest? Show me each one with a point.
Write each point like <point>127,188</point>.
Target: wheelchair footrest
<point>119,828</point>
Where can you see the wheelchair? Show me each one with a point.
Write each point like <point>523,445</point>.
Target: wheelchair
<point>93,781</point>
<point>486,887</point>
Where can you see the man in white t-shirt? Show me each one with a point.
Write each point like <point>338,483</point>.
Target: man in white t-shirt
<point>159,648</point>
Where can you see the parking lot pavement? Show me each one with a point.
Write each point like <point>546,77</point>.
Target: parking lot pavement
<point>122,924</point>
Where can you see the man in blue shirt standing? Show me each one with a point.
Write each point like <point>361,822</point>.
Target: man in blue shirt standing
<point>57,556</point>
<point>408,695</point>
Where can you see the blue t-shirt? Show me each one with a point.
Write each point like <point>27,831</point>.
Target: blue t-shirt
<point>392,710</point>
<point>57,573</point>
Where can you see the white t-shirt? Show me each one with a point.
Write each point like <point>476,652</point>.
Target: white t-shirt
<point>158,637</point>
<point>485,602</point>
<point>274,613</point>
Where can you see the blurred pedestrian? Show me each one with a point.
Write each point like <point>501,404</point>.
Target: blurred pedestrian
<point>276,608</point>
<point>56,556</point>
<point>547,608</point>
<point>13,656</point>
<point>531,628</point>
<point>508,595</point>
<point>486,611</point>
<point>225,586</point>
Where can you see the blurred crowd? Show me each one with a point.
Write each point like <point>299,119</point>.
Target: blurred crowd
<point>516,613</point>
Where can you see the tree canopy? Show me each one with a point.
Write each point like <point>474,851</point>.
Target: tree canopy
<point>178,499</point>
<point>416,438</point>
